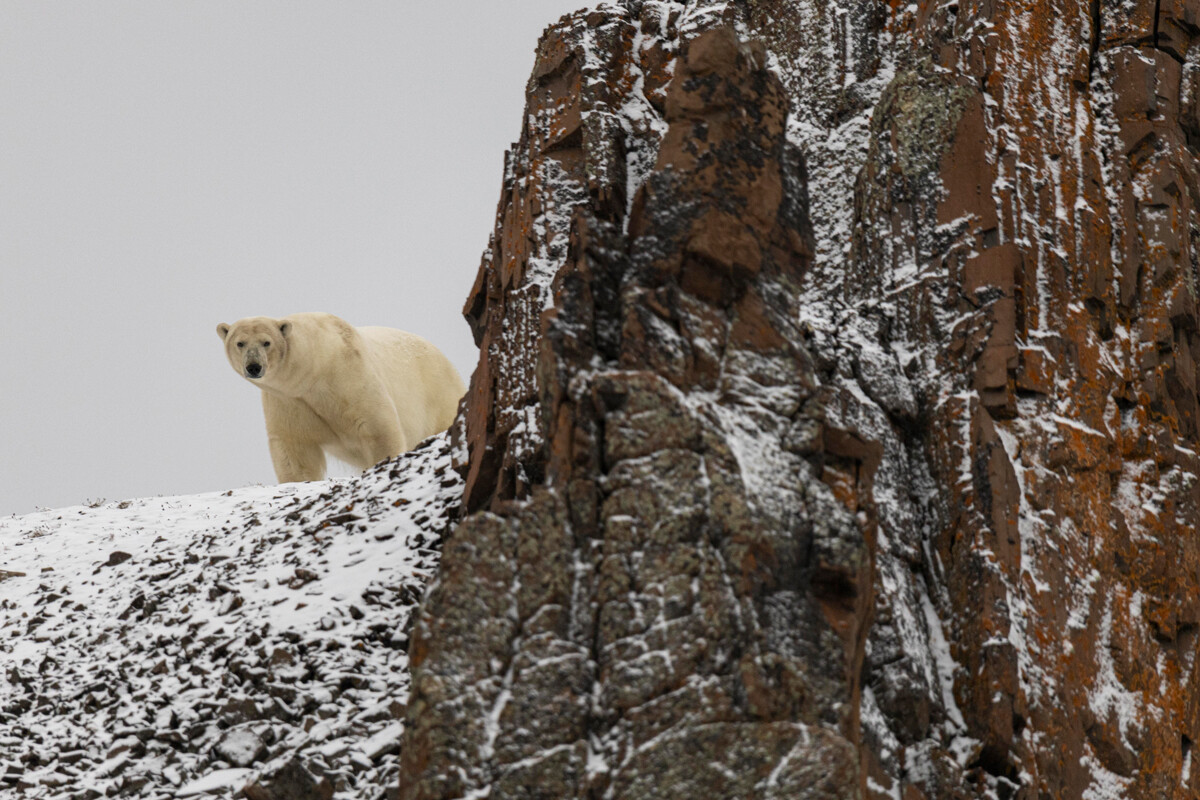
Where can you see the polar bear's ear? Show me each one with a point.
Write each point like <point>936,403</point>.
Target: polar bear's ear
<point>285,328</point>
<point>222,331</point>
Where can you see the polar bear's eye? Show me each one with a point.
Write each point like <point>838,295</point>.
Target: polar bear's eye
<point>241,345</point>
<point>266,344</point>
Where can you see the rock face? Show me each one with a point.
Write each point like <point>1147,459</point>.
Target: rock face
<point>834,431</point>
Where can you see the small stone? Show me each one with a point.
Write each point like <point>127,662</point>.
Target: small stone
<point>240,747</point>
<point>385,741</point>
<point>291,782</point>
<point>229,602</point>
<point>238,711</point>
<point>301,578</point>
<point>281,658</point>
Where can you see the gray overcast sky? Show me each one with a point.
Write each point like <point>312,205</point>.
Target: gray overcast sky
<point>168,166</point>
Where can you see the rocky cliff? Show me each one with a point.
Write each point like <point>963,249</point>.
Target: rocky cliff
<point>834,430</point>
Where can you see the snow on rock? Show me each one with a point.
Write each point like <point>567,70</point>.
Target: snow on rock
<point>990,211</point>
<point>213,782</point>
<point>671,605</point>
<point>179,646</point>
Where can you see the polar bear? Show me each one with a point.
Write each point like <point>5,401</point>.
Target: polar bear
<point>359,394</point>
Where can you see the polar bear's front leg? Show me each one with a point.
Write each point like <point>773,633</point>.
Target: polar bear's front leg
<point>377,439</point>
<point>297,461</point>
<point>380,445</point>
<point>294,433</point>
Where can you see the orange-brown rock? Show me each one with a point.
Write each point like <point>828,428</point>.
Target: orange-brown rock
<point>835,430</point>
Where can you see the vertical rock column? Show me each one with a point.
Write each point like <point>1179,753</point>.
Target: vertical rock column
<point>678,606</point>
<point>588,133</point>
<point>1026,209</point>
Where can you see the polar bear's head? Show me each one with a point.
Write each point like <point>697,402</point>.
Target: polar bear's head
<point>256,346</point>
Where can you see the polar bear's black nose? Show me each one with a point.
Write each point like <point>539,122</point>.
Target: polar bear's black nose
<point>254,370</point>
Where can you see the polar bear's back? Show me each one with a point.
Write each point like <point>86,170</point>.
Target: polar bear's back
<point>418,376</point>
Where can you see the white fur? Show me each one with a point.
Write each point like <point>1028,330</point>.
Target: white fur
<point>359,394</point>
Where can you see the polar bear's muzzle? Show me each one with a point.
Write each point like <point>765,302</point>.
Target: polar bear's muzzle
<point>254,369</point>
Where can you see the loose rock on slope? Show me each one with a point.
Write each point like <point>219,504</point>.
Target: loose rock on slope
<point>252,640</point>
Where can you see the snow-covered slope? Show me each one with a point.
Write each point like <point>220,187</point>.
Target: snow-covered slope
<point>171,647</point>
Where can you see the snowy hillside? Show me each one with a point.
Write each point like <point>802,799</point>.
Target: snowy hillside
<point>184,646</point>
